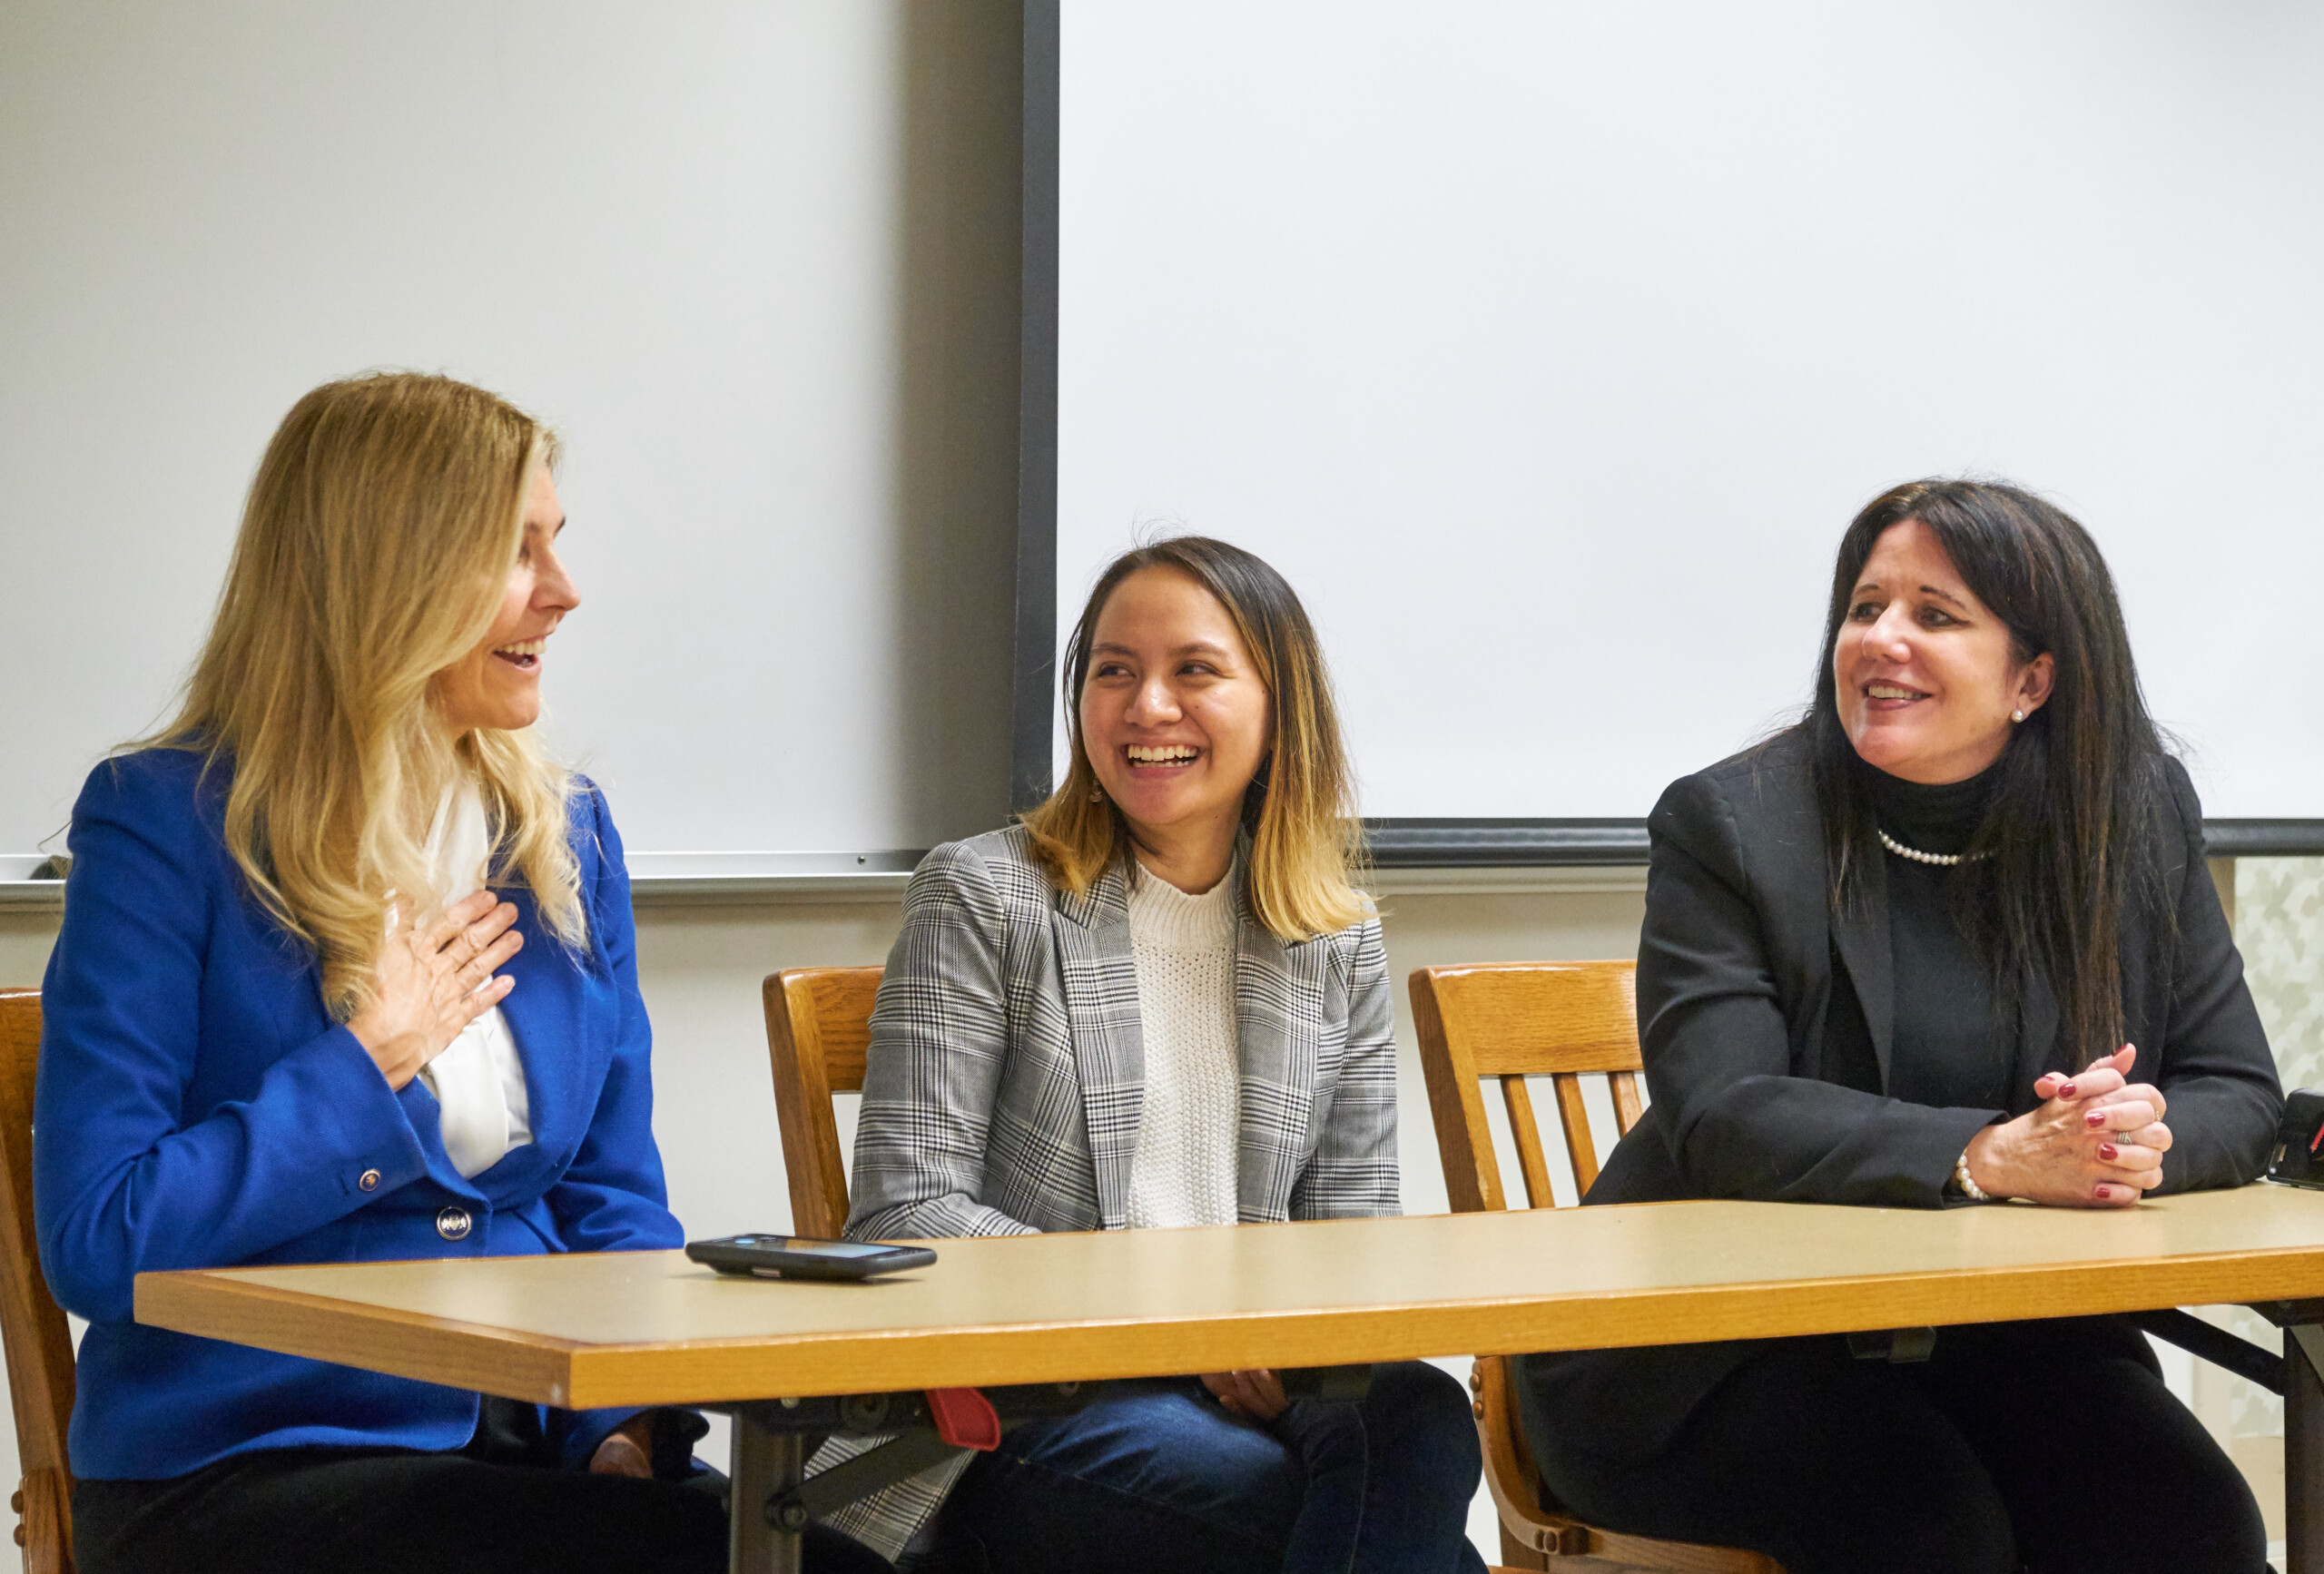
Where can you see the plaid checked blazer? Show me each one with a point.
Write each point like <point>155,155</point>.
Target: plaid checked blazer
<point>1006,1075</point>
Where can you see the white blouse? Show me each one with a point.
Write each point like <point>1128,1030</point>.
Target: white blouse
<point>479,1079</point>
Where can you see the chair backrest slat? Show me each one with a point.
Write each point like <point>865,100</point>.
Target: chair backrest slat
<point>1573,1114</point>
<point>1533,1159</point>
<point>818,1034</point>
<point>1627,1108</point>
<point>38,1344</point>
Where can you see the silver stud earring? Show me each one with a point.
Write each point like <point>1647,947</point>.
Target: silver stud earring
<point>2017,715</point>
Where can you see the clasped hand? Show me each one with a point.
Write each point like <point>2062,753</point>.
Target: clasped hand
<point>431,983</point>
<point>1255,1396</point>
<point>2097,1140</point>
<point>627,1450</point>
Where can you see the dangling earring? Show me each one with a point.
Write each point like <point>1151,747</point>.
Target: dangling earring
<point>2017,715</point>
<point>1096,794</point>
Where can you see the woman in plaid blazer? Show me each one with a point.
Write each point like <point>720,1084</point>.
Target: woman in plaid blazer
<point>1041,1060</point>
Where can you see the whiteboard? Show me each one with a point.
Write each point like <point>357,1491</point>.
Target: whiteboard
<point>687,235</point>
<point>1547,348</point>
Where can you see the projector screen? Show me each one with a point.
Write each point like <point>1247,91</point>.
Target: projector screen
<point>758,262</point>
<point>1547,348</point>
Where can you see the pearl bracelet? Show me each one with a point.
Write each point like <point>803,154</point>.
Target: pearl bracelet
<point>1962,1178</point>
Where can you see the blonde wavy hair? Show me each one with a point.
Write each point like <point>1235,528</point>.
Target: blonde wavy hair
<point>1299,811</point>
<point>374,552</point>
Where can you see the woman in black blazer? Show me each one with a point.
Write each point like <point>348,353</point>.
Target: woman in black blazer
<point>1951,938</point>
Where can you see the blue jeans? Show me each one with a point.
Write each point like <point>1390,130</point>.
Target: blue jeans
<point>1153,1476</point>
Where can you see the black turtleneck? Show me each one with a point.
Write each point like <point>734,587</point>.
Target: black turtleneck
<point>1950,1048</point>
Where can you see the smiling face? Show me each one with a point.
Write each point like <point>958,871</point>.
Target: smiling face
<point>499,684</point>
<point>1924,673</point>
<point>1174,714</point>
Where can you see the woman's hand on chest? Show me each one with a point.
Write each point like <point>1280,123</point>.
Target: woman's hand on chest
<point>431,983</point>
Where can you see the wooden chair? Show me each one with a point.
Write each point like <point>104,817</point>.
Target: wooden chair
<point>1509,1021</point>
<point>818,1027</point>
<point>31,1325</point>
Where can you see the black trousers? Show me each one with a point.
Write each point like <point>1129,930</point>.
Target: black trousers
<point>2052,1447</point>
<point>496,1507</point>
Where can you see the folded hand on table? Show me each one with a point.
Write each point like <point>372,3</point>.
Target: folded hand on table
<point>2097,1140</point>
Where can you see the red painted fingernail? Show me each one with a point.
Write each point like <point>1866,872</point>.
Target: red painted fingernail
<point>2065,1090</point>
<point>2095,1119</point>
<point>2106,1151</point>
<point>2103,1195</point>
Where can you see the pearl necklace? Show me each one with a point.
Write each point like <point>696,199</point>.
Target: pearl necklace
<point>1942,859</point>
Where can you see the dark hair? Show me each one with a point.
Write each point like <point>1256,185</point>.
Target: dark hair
<point>1299,810</point>
<point>2082,785</point>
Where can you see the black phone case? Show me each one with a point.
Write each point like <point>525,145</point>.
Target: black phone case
<point>728,1257</point>
<point>2298,1158</point>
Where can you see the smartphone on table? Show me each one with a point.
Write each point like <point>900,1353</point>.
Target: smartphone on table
<point>800,1257</point>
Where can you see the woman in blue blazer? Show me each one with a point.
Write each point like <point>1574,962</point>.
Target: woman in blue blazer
<point>347,973</point>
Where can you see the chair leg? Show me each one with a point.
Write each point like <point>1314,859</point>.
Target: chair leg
<point>45,1525</point>
<point>1516,1554</point>
<point>2303,1452</point>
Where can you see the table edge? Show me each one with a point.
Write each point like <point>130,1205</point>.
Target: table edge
<point>554,1369</point>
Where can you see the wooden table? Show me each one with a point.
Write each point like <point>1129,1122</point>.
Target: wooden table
<point>652,1328</point>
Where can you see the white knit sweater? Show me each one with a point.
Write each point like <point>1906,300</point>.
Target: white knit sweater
<point>1183,1172</point>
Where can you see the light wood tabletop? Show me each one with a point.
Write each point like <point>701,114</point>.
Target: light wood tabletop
<point>651,1327</point>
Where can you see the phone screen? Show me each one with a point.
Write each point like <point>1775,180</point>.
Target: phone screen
<point>814,1248</point>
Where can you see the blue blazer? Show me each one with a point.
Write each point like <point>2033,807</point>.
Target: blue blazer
<point>199,1108</point>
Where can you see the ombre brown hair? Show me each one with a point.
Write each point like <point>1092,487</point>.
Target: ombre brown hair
<point>1299,810</point>
<point>375,549</point>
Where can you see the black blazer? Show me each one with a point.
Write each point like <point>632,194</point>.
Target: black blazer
<point>1766,1028</point>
